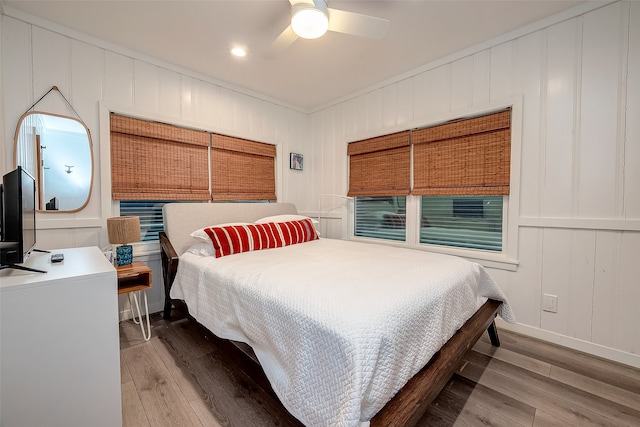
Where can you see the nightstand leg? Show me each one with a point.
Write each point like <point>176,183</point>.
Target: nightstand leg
<point>146,335</point>
<point>135,319</point>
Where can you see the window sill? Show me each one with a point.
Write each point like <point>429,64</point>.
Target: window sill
<point>500,261</point>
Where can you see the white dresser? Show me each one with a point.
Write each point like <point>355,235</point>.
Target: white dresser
<point>59,343</point>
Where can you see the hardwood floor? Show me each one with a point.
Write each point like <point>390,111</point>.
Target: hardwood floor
<point>182,377</point>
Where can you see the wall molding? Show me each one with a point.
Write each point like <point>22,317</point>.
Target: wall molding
<point>582,223</point>
<point>68,223</point>
<point>581,9</point>
<point>85,38</point>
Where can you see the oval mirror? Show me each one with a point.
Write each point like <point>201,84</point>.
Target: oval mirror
<point>57,151</point>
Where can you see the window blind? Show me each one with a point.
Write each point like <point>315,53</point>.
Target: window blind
<point>382,217</point>
<point>151,161</point>
<point>242,169</point>
<point>150,214</point>
<point>380,166</point>
<point>464,157</point>
<point>473,222</point>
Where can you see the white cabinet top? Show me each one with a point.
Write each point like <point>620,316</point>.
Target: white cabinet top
<point>78,263</point>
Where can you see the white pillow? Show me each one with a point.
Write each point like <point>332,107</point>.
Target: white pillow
<point>201,234</point>
<point>285,218</point>
<point>202,249</point>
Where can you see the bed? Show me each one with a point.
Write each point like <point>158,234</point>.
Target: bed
<point>340,336</point>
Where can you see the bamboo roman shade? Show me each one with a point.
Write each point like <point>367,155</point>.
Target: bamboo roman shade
<point>242,169</point>
<point>465,157</point>
<point>157,161</point>
<point>380,166</point>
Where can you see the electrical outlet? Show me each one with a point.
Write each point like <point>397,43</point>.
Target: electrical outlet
<point>550,303</point>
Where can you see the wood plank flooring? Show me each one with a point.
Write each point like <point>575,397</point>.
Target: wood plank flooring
<point>183,377</point>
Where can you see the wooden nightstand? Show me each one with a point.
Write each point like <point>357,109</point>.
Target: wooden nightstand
<point>132,279</point>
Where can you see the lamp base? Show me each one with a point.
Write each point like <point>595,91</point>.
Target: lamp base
<point>124,255</point>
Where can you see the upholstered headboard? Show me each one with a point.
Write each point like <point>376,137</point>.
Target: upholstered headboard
<point>181,219</point>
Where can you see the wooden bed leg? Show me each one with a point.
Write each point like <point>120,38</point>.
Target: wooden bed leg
<point>493,334</point>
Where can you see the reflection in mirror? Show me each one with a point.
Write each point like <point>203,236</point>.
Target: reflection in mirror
<point>57,151</point>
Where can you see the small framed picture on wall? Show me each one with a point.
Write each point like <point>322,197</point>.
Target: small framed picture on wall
<point>295,161</point>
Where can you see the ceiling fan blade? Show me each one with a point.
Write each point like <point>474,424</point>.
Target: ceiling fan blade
<point>357,24</point>
<point>284,40</point>
<point>295,2</point>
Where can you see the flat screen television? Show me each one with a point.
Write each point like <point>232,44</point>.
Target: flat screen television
<point>18,218</point>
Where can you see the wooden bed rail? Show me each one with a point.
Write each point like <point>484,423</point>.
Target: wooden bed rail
<point>410,403</point>
<point>169,259</point>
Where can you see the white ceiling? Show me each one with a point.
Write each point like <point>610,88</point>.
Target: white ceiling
<point>197,35</point>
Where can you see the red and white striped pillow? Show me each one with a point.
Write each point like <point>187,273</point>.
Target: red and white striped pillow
<point>235,239</point>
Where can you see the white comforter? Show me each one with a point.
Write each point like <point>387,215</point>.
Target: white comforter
<point>338,326</point>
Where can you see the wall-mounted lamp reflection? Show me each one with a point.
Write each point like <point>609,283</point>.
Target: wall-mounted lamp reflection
<point>68,168</point>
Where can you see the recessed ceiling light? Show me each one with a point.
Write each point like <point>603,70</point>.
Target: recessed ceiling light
<point>239,52</point>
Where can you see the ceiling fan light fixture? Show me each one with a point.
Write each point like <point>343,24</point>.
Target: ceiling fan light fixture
<point>309,22</point>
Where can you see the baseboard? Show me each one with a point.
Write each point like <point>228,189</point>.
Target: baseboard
<point>597,350</point>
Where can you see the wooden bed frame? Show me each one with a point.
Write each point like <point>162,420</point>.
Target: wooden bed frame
<point>411,402</point>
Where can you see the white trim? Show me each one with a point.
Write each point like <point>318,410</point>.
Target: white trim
<point>514,102</point>
<point>519,32</point>
<point>486,259</point>
<point>324,214</point>
<point>175,121</point>
<point>593,349</point>
<point>512,35</point>
<point>512,208</point>
<point>106,204</point>
<point>582,223</point>
<point>4,162</point>
<point>85,38</point>
<point>66,223</point>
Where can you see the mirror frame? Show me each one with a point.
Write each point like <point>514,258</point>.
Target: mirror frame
<point>15,156</point>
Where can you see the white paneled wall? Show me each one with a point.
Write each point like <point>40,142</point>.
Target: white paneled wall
<point>95,76</point>
<point>579,168</point>
<point>577,201</point>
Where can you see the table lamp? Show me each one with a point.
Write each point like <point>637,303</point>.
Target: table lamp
<point>123,230</point>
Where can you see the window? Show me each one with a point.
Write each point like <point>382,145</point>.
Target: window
<point>150,213</point>
<point>155,163</point>
<point>473,222</point>
<point>242,170</point>
<point>464,157</point>
<point>380,166</point>
<point>459,178</point>
<point>381,217</point>
<point>151,161</point>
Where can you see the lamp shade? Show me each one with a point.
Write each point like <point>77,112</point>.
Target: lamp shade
<point>123,229</point>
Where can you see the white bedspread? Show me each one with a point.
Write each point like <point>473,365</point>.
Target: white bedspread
<point>338,326</point>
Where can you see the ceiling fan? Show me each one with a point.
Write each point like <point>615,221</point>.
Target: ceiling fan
<point>312,18</point>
